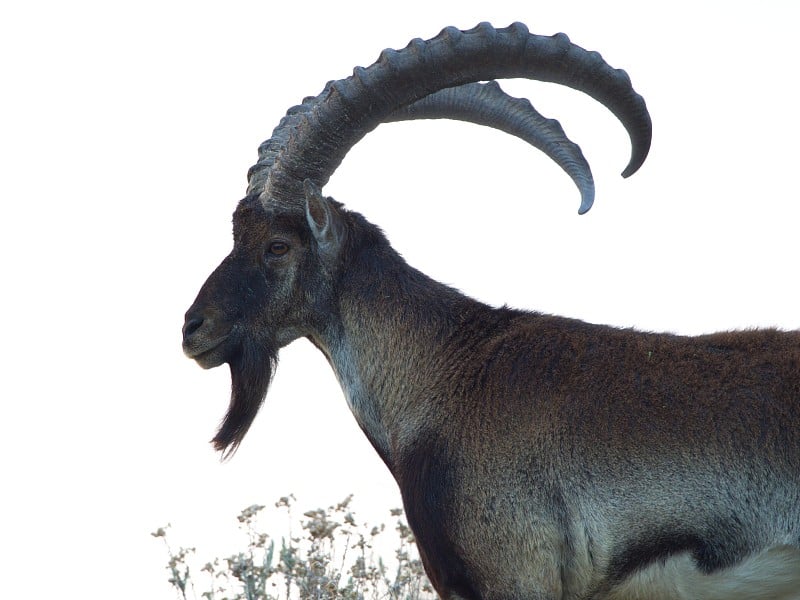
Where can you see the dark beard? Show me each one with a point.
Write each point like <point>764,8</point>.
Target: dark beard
<point>251,372</point>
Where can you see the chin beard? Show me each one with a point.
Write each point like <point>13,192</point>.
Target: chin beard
<point>251,372</point>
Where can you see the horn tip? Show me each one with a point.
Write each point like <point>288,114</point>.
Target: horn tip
<point>586,203</point>
<point>633,166</point>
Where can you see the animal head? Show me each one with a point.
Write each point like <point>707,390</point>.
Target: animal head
<point>291,244</point>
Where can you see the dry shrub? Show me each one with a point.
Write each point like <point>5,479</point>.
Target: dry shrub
<point>333,557</point>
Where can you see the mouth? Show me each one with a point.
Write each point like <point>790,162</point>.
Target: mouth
<point>208,355</point>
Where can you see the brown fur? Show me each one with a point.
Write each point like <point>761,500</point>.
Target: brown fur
<point>524,422</point>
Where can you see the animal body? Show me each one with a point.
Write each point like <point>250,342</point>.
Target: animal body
<point>537,456</point>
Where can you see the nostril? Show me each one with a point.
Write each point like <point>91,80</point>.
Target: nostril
<point>191,326</point>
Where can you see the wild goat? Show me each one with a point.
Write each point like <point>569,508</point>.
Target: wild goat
<point>537,456</point>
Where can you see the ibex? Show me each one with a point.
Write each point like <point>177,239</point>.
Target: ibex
<point>537,456</point>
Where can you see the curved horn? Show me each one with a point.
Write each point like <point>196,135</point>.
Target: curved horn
<point>483,104</point>
<point>311,140</point>
<point>487,104</point>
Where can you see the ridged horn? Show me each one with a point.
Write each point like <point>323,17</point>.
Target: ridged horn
<point>312,139</point>
<point>487,104</point>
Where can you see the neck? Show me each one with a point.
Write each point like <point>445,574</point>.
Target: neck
<point>389,346</point>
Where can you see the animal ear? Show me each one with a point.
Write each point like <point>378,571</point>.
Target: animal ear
<point>323,219</point>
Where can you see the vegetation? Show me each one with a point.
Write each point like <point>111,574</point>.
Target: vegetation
<point>333,558</point>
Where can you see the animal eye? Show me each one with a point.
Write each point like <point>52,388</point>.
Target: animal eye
<point>278,248</point>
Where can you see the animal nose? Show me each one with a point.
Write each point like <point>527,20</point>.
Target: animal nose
<point>192,324</point>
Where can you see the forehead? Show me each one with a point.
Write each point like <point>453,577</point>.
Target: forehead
<point>253,221</point>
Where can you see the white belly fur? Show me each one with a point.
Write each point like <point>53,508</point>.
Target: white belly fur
<point>772,575</point>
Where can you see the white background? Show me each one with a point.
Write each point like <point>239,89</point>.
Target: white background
<point>126,129</point>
